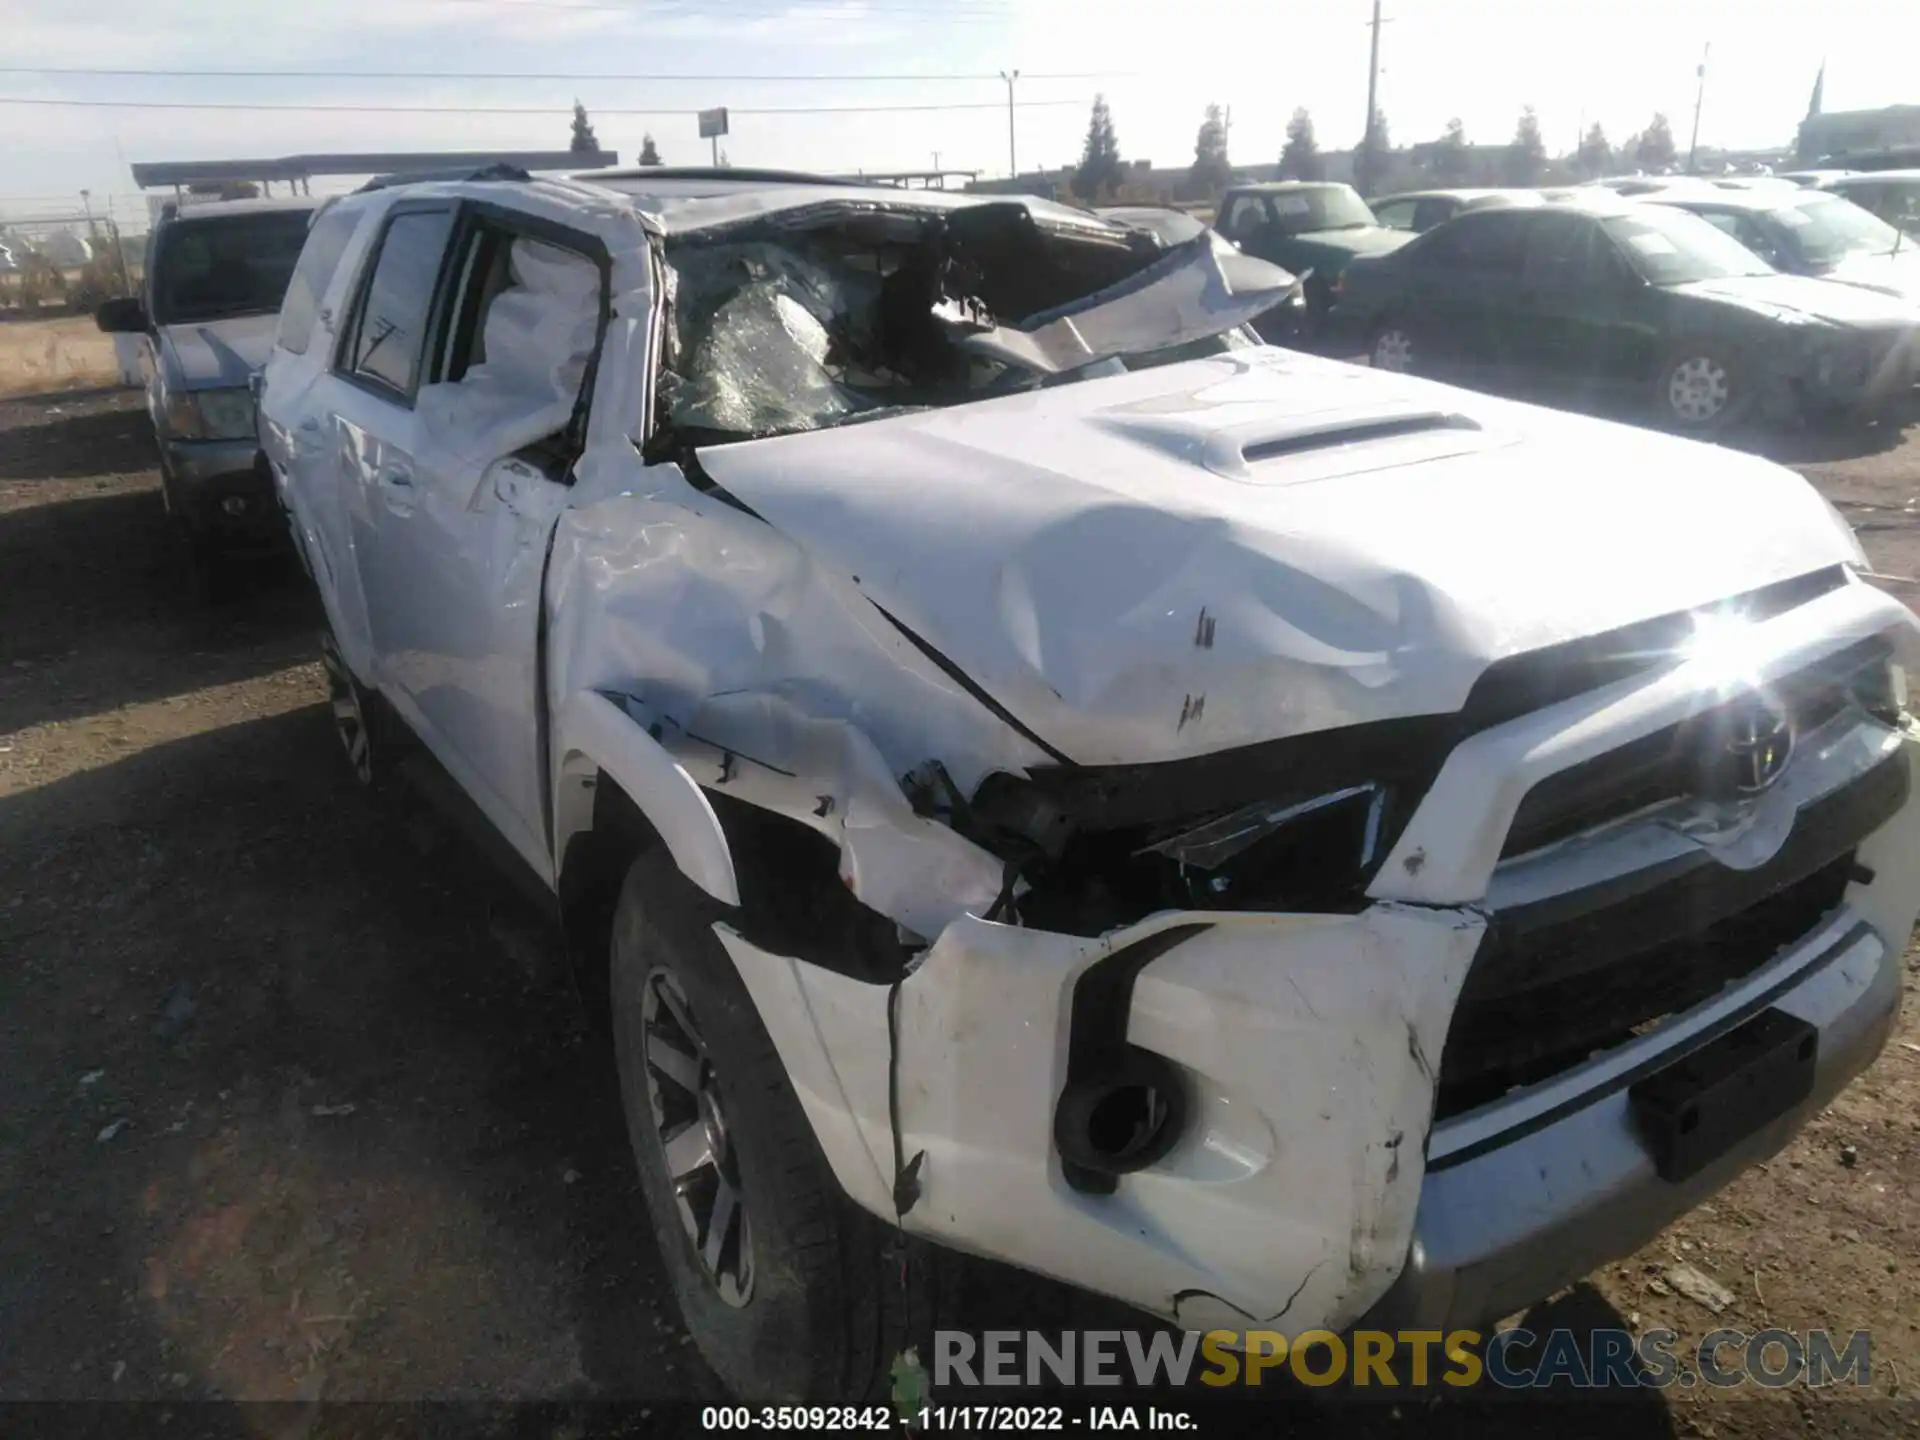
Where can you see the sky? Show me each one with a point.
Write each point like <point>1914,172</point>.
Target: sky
<point>1158,64</point>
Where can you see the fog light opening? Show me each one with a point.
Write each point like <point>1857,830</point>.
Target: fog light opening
<point>1124,1121</point>
<point>1125,1117</point>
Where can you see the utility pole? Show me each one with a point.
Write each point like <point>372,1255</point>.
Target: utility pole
<point>1013,165</point>
<point>1365,169</point>
<point>1699,99</point>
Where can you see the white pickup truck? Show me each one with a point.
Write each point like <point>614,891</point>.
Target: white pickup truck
<point>1034,771</point>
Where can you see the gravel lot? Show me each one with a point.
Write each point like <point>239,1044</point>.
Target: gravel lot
<point>295,1103</point>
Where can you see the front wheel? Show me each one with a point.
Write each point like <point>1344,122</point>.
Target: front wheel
<point>787,1288</point>
<point>1701,389</point>
<point>1391,348</point>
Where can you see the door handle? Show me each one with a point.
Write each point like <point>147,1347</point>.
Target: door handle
<point>395,477</point>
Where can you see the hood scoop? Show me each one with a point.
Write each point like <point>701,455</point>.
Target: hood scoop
<point>1325,448</point>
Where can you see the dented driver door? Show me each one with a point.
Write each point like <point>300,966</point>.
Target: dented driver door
<point>463,554</point>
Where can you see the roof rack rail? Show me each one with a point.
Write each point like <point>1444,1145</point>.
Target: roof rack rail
<point>423,177</point>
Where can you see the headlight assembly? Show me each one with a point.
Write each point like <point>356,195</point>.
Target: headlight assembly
<point>225,414</point>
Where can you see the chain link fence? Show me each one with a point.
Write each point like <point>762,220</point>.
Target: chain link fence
<point>59,260</point>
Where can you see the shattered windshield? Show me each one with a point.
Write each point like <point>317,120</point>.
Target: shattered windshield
<point>851,313</point>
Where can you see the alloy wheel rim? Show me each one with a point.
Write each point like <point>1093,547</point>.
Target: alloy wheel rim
<point>696,1148</point>
<point>1697,389</point>
<point>1393,350</point>
<point>349,721</point>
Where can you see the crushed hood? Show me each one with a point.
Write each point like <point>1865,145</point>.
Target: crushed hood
<point>1229,550</point>
<point>211,354</point>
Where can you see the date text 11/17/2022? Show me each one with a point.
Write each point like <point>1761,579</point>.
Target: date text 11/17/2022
<point>980,1419</point>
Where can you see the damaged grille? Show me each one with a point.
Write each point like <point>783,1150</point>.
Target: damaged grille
<point>1560,979</point>
<point>1666,765</point>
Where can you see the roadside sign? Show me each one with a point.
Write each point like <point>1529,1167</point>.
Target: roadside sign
<point>713,123</point>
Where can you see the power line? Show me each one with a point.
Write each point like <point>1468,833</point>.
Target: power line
<point>509,109</point>
<point>524,75</point>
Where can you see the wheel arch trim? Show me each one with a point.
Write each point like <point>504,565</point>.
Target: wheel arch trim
<point>593,736</point>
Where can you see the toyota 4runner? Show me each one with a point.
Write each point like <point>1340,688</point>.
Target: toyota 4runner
<point>1032,771</point>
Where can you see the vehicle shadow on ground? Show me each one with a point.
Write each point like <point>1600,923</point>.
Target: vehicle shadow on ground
<point>100,608</point>
<point>295,1106</point>
<point>60,446</point>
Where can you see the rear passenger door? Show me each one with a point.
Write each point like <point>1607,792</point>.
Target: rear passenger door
<point>456,555</point>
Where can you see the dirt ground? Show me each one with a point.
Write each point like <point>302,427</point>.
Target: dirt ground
<point>294,1103</point>
<point>55,353</point>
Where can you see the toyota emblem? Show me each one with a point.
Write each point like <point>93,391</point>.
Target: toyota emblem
<point>1754,744</point>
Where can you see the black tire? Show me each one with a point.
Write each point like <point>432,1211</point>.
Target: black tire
<point>823,1311</point>
<point>351,713</point>
<point>1702,388</point>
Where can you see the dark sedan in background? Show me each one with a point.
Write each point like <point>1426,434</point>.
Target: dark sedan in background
<point>1611,300</point>
<point>1810,232</point>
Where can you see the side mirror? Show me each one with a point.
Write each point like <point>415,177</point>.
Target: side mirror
<point>125,316</point>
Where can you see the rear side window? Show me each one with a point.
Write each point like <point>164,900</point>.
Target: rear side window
<point>1486,240</point>
<point>1395,214</point>
<point>1563,252</point>
<point>390,327</point>
<point>1431,212</point>
<point>1246,217</point>
<point>326,242</point>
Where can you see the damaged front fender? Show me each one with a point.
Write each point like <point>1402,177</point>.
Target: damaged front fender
<point>1305,1044</point>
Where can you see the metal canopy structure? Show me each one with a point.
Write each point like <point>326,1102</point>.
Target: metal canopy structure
<point>914,179</point>
<point>299,169</point>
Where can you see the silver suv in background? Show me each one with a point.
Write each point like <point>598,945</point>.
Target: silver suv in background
<point>214,279</point>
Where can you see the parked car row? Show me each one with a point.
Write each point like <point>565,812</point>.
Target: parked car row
<point>216,274</point>
<point>1613,300</point>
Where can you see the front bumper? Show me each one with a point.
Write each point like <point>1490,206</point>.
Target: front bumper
<point>221,489</point>
<point>1859,370</point>
<point>1517,1204</point>
<point>1311,1187</point>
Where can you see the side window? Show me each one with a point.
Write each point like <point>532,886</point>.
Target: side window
<point>516,351</point>
<point>1395,214</point>
<point>1246,217</point>
<point>1487,242</point>
<point>326,242</point>
<point>1431,211</point>
<point>1723,221</point>
<point>389,331</point>
<point>1563,252</point>
<point>1748,232</point>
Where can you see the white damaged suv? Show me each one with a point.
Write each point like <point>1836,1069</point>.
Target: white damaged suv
<point>1034,770</point>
